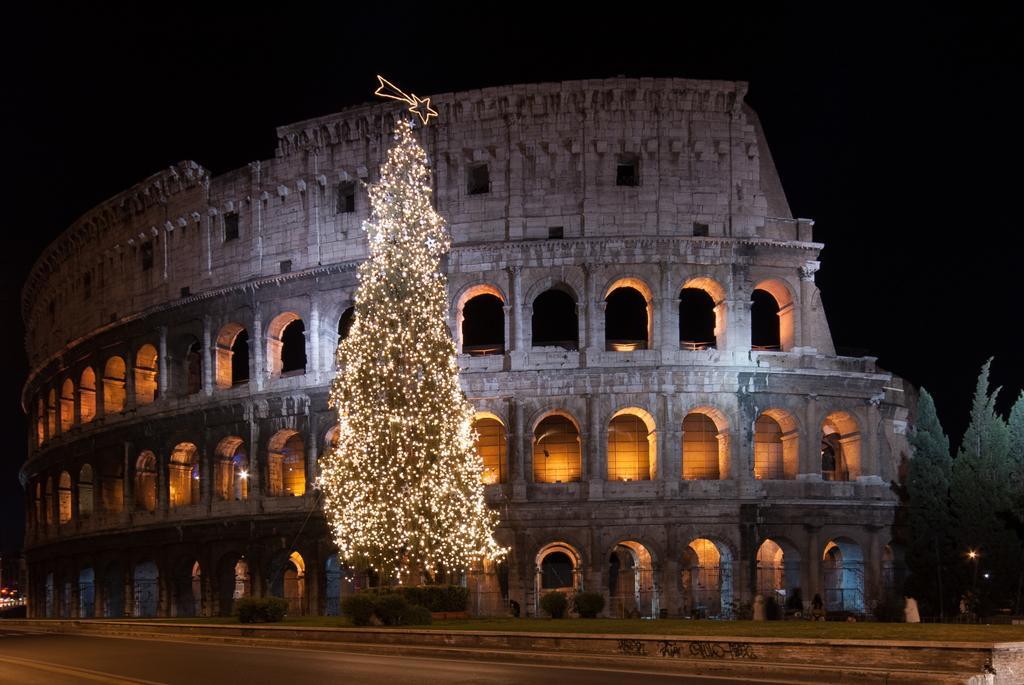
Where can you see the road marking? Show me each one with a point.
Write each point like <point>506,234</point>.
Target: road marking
<point>83,673</point>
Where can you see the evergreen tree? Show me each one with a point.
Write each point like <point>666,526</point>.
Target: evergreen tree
<point>930,548</point>
<point>402,489</point>
<point>1016,428</point>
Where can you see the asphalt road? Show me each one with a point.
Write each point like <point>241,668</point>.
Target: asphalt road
<point>62,659</point>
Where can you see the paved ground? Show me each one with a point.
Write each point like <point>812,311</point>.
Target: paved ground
<point>61,659</point>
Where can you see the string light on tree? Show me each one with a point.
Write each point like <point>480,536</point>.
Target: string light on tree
<point>403,487</point>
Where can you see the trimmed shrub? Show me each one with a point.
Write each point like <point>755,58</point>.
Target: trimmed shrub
<point>390,608</point>
<point>554,604</point>
<point>416,615</point>
<point>359,608</point>
<point>436,597</point>
<point>261,610</point>
<point>588,604</point>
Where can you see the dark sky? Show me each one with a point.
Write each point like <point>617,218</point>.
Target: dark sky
<point>897,130</point>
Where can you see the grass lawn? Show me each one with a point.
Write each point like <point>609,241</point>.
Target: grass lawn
<point>796,629</point>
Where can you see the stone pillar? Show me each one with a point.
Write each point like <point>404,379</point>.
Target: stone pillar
<point>258,370</point>
<point>812,581</point>
<point>807,290</point>
<point>161,375</point>
<point>128,488</point>
<point>520,442</point>
<point>129,383</point>
<point>516,311</point>
<point>208,356</point>
<point>101,393</point>
<point>595,461</point>
<point>162,481</point>
<point>737,328</point>
<point>873,590</point>
<point>313,340</point>
<point>810,454</point>
<point>668,311</point>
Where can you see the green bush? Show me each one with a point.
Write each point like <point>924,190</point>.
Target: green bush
<point>261,610</point>
<point>359,608</point>
<point>416,615</point>
<point>390,608</point>
<point>436,597</point>
<point>554,604</point>
<point>588,604</point>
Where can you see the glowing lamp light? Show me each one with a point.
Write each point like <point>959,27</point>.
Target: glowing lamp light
<point>243,475</point>
<point>972,554</point>
<point>417,105</point>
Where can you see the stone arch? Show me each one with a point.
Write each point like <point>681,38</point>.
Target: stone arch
<point>145,481</point>
<point>843,569</point>
<point>231,354</point>
<point>114,385</point>
<point>64,498</point>
<point>87,395</point>
<point>559,566</point>
<point>145,374</point>
<point>632,584</point>
<point>707,575</point>
<point>492,446</point>
<point>772,316</point>
<point>295,584</point>
<point>286,464</point>
<point>554,322</point>
<point>705,445</point>
<point>231,470</point>
<point>145,589</point>
<point>183,476</point>
<point>628,315</point>
<point>234,581</point>
<point>67,405</point>
<point>777,569</point>
<point>840,447</point>
<point>557,449</point>
<point>702,314</point>
<point>480,319</point>
<point>85,492</point>
<point>286,345</point>
<point>776,445</point>
<point>632,445</point>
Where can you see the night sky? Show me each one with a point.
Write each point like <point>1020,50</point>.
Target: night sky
<point>898,133</point>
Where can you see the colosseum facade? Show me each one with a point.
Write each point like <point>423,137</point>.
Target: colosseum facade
<point>662,413</point>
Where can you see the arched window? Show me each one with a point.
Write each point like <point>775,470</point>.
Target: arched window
<point>631,446</point>
<point>555,322</point>
<point>697,319</point>
<point>286,465</point>
<point>778,570</point>
<point>483,324</point>
<point>286,345</point>
<point>702,448</point>
<point>840,447</point>
<point>764,321</point>
<point>295,584</point>
<point>193,368</point>
<point>776,446</point>
<point>843,568</point>
<point>556,451</point>
<point>146,589</point>
<point>145,375</point>
<point>707,579</point>
<point>557,571</point>
<point>232,356</point>
<point>64,498</point>
<point>631,587</point>
<point>85,492</point>
<point>231,475</point>
<point>51,413</point>
<point>348,317</point>
<point>87,395</point>
<point>183,475</point>
<point>626,320</point>
<point>145,481</point>
<point>490,445</point>
<point>114,386</point>
<point>67,405</point>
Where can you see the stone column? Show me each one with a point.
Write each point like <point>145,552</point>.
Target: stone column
<point>807,290</point>
<point>668,311</point>
<point>162,481</point>
<point>101,393</point>
<point>128,488</point>
<point>161,375</point>
<point>520,442</point>
<point>313,341</point>
<point>812,581</point>
<point>595,460</point>
<point>258,370</point>
<point>129,383</point>
<point>810,454</point>
<point>516,311</point>
<point>208,356</point>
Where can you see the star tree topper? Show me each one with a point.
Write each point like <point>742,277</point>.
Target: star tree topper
<point>417,105</point>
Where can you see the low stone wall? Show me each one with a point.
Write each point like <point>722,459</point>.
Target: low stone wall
<point>994,663</point>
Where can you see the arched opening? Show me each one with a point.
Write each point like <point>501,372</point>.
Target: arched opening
<point>631,587</point>
<point>146,590</point>
<point>772,316</point>
<point>776,446</point>
<point>86,593</point>
<point>286,345</point>
<point>114,386</point>
<point>187,589</point>
<point>67,405</point>
<point>231,470</point>
<point>51,413</point>
<point>145,375</point>
<point>113,591</point>
<point>554,322</point>
<point>145,481</point>
<point>778,570</point>
<point>840,447</point>
<point>764,322</point>
<point>843,566</point>
<point>627,317</point>
<point>491,446</point>
<point>235,582</point>
<point>697,319</point>
<point>707,580</point>
<point>557,569</point>
<point>556,450</point>
<point>286,465</point>
<point>85,492</point>
<point>348,317</point>
<point>87,395</point>
<point>339,583</point>
<point>193,368</point>
<point>483,325</point>
<point>632,445</point>
<point>705,445</point>
<point>232,356</point>
<point>294,581</point>
<point>183,476</point>
<point>64,498</point>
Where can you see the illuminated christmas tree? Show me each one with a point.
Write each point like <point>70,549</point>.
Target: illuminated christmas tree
<point>402,490</point>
